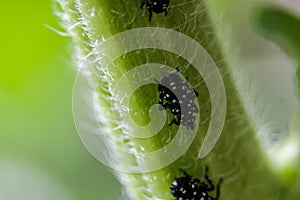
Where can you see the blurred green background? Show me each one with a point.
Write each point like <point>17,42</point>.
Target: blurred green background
<point>41,156</point>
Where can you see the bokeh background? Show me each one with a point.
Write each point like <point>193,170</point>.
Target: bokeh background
<point>41,156</point>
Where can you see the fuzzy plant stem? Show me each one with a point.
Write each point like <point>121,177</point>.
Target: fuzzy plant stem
<point>238,157</point>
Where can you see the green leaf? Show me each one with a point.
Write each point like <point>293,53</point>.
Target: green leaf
<point>283,28</point>
<point>279,26</point>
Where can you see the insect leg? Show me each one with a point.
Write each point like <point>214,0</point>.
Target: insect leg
<point>209,181</point>
<point>142,5</point>
<point>174,121</point>
<point>185,173</point>
<point>196,93</point>
<point>166,12</point>
<point>218,189</point>
<point>150,14</point>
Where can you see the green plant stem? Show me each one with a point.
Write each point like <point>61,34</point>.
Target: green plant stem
<point>237,158</point>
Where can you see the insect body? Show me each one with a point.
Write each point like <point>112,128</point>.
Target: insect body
<point>181,106</point>
<point>191,188</point>
<point>157,6</point>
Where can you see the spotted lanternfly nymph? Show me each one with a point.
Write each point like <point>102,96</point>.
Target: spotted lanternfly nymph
<point>191,188</point>
<point>157,6</point>
<point>181,106</point>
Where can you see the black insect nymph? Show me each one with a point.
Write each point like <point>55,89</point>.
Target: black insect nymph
<point>182,107</point>
<point>192,188</point>
<point>157,6</point>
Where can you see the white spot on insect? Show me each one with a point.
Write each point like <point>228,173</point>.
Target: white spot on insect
<point>194,193</point>
<point>169,101</point>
